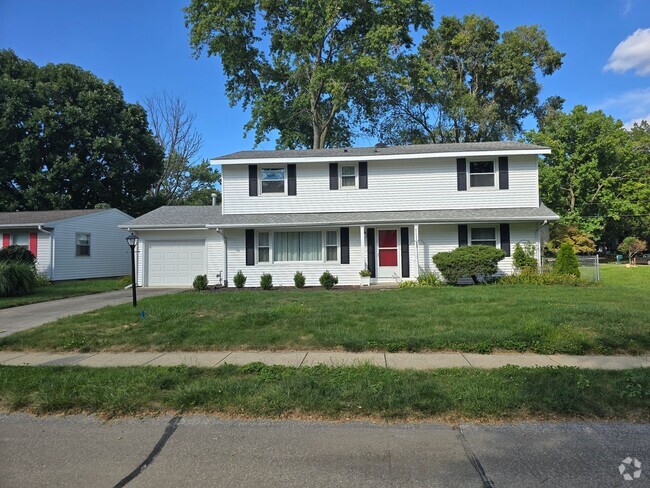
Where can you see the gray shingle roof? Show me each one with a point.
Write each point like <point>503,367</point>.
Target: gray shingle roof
<point>42,217</point>
<point>212,216</point>
<point>390,150</point>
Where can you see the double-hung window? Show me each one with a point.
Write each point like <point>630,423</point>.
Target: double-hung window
<point>482,174</point>
<point>331,246</point>
<point>263,250</point>
<point>348,176</point>
<point>273,180</point>
<point>298,246</point>
<point>486,236</point>
<point>21,240</point>
<point>83,245</point>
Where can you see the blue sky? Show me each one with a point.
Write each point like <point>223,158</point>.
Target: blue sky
<point>142,45</point>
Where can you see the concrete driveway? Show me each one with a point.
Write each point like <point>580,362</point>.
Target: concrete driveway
<point>28,316</point>
<point>161,452</point>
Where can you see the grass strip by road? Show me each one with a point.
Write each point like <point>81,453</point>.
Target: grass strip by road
<point>64,289</point>
<point>257,390</point>
<point>611,318</point>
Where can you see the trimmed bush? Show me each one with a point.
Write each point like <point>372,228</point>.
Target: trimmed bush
<point>16,279</point>
<point>524,259</point>
<point>200,282</point>
<point>266,281</point>
<point>239,279</point>
<point>567,262</point>
<point>17,254</point>
<point>328,280</point>
<point>468,261</point>
<point>299,279</point>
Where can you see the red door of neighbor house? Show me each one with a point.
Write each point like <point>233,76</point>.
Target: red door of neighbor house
<point>388,253</point>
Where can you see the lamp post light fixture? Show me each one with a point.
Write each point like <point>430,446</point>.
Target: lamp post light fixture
<point>132,241</point>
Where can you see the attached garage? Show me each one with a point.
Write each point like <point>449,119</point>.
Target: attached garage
<point>174,263</point>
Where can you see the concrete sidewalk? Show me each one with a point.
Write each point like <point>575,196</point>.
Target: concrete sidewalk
<point>421,361</point>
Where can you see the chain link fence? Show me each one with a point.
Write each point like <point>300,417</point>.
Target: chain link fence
<point>589,266</point>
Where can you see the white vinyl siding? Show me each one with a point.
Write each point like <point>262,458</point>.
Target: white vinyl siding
<point>392,185</point>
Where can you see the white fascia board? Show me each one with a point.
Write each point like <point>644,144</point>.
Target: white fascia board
<point>162,227</point>
<point>380,157</point>
<point>20,226</point>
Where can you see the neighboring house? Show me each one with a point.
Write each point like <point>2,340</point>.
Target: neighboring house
<point>388,209</point>
<point>71,244</point>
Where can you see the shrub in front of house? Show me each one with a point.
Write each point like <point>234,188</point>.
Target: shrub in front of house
<point>533,277</point>
<point>17,254</point>
<point>427,279</point>
<point>42,279</point>
<point>16,279</point>
<point>523,258</point>
<point>200,282</point>
<point>124,281</point>
<point>468,261</point>
<point>299,279</point>
<point>328,280</point>
<point>566,262</point>
<point>266,281</point>
<point>239,279</point>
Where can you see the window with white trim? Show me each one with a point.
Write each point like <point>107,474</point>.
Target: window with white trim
<point>273,180</point>
<point>298,246</point>
<point>348,176</point>
<point>83,245</point>
<point>485,236</point>
<point>482,174</point>
<point>21,240</point>
<point>263,247</point>
<point>331,246</point>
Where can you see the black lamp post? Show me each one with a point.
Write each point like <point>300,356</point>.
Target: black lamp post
<point>132,241</point>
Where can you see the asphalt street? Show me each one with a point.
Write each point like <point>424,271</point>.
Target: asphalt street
<point>81,451</point>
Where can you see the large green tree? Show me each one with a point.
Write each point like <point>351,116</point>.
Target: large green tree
<point>467,82</point>
<point>69,140</point>
<point>598,173</point>
<point>306,69</point>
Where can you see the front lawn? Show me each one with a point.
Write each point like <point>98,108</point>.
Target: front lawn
<point>63,289</point>
<point>336,393</point>
<point>609,318</point>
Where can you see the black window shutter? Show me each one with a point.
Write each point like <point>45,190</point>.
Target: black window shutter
<point>505,238</point>
<point>405,252</point>
<point>252,180</point>
<point>461,173</point>
<point>250,247</point>
<point>371,251</point>
<point>291,176</point>
<point>345,245</point>
<point>363,176</point>
<point>504,182</point>
<point>334,176</point>
<point>462,235</point>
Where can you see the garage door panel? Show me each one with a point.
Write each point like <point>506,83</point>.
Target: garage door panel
<point>175,263</point>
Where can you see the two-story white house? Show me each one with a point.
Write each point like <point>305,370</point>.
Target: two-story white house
<point>387,209</point>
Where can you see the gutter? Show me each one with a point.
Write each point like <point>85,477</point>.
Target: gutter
<point>225,257</point>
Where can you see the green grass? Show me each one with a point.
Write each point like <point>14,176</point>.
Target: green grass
<point>64,289</point>
<point>609,318</point>
<point>328,392</point>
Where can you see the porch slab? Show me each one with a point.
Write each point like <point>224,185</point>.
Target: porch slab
<point>600,362</point>
<point>405,360</point>
<point>46,358</point>
<point>120,359</point>
<point>270,358</point>
<point>330,358</point>
<point>507,359</point>
<point>198,359</point>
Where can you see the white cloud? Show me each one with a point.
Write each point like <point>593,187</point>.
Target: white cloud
<point>630,123</point>
<point>631,106</point>
<point>632,54</point>
<point>627,7</point>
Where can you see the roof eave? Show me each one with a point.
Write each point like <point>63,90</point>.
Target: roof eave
<point>382,157</point>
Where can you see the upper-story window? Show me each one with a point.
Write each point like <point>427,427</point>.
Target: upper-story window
<point>273,180</point>
<point>482,174</point>
<point>21,240</point>
<point>348,176</point>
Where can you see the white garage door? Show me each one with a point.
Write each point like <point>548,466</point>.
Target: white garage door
<point>175,263</point>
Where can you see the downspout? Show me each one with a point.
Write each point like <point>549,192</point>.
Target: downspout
<point>416,236</point>
<point>225,256</point>
<point>51,238</point>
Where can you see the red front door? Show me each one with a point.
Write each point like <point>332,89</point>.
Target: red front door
<point>388,253</point>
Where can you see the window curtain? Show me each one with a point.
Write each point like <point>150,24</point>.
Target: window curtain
<point>297,246</point>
